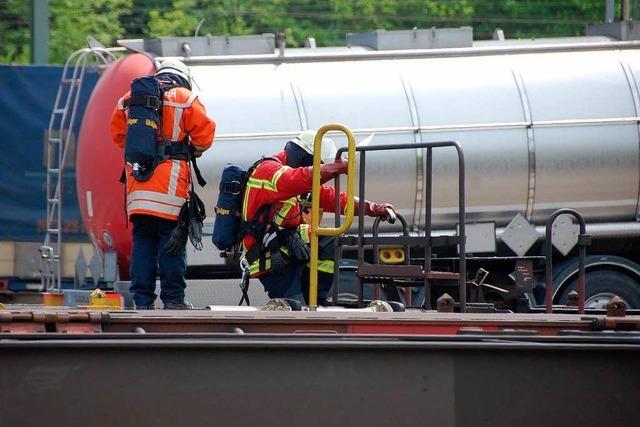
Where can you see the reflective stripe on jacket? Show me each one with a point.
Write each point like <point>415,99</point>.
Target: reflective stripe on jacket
<point>166,191</point>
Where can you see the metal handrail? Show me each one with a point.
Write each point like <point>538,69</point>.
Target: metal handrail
<point>584,240</point>
<point>276,58</point>
<point>429,146</point>
<point>316,230</point>
<point>456,127</point>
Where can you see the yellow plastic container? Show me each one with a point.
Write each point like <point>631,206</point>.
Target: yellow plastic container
<point>104,300</point>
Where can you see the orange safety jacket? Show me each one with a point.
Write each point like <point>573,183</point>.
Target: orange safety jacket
<point>273,183</point>
<point>167,190</point>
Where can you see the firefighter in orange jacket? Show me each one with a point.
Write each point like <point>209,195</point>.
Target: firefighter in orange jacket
<point>153,206</point>
<point>276,234</point>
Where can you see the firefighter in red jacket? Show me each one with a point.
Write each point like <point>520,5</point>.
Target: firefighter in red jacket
<point>276,241</point>
<point>153,206</point>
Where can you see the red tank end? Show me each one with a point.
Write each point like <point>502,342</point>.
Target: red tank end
<point>99,162</point>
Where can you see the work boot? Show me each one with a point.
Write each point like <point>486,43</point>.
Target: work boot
<point>144,307</point>
<point>177,305</point>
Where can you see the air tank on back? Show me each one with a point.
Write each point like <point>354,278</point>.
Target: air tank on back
<point>543,126</point>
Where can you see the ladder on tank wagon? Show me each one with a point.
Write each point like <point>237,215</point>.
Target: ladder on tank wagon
<point>59,135</point>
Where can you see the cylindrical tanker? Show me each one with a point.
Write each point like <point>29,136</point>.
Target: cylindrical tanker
<point>542,127</point>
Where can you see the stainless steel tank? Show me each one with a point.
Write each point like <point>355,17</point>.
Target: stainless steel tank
<point>541,128</point>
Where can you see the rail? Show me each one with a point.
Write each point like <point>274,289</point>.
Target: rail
<point>427,241</point>
<point>277,58</point>
<point>584,240</point>
<point>316,230</point>
<point>456,127</point>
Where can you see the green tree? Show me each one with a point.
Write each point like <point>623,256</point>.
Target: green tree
<point>73,20</point>
<point>326,20</point>
<point>536,18</point>
<point>15,35</point>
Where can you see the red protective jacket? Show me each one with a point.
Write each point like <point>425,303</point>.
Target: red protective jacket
<point>273,183</point>
<point>166,191</point>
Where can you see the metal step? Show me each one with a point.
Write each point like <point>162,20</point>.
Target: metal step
<point>53,200</point>
<point>53,230</point>
<point>53,170</point>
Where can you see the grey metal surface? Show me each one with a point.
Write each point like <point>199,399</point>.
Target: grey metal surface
<point>27,264</point>
<point>519,235</point>
<point>481,237</point>
<point>318,382</point>
<point>202,46</point>
<point>413,39</point>
<point>202,293</point>
<point>564,234</point>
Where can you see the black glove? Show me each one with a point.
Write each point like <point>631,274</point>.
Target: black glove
<point>177,242</point>
<point>298,249</point>
<point>277,262</point>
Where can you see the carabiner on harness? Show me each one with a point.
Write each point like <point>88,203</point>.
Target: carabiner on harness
<point>244,282</point>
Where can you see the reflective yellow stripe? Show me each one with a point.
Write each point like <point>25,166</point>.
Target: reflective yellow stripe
<point>271,185</point>
<point>303,229</point>
<point>245,203</point>
<point>284,211</point>
<point>255,265</point>
<point>326,266</point>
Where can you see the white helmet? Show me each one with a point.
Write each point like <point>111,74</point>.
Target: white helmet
<point>174,66</point>
<point>305,141</point>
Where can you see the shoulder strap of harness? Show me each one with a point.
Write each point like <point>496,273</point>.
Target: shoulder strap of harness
<point>258,225</point>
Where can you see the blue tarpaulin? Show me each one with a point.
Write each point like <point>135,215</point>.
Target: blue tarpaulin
<point>27,95</point>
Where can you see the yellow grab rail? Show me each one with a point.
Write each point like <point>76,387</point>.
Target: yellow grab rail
<point>315,202</point>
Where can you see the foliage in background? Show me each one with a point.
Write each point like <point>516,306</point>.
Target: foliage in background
<point>15,33</point>
<point>72,20</point>
<point>326,20</point>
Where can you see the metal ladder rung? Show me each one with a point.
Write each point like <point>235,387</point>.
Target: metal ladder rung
<point>56,140</point>
<point>69,82</point>
<point>53,170</point>
<point>58,110</point>
<point>53,230</point>
<point>53,200</point>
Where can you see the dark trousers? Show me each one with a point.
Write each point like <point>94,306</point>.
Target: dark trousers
<point>293,283</point>
<point>149,257</point>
